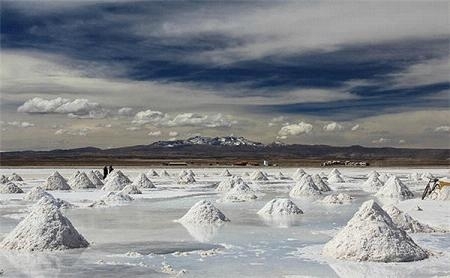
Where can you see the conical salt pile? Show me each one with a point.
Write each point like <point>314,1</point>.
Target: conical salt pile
<point>373,173</point>
<point>372,184</point>
<point>405,222</point>
<point>112,199</point>
<point>45,228</point>
<point>225,173</point>
<point>15,177</point>
<point>335,178</point>
<point>305,189</point>
<point>165,173</point>
<point>9,188</point>
<point>372,236</point>
<point>36,193</point>
<point>186,178</point>
<point>280,207</point>
<point>281,176</point>
<point>98,174</point>
<point>414,177</point>
<point>3,179</point>
<point>394,188</point>
<point>427,176</point>
<point>142,181</point>
<point>190,172</point>
<point>205,213</point>
<point>298,174</point>
<point>72,178</point>
<point>335,172</point>
<point>258,176</point>
<point>131,189</point>
<point>227,184</point>
<point>56,182</point>
<point>152,173</point>
<point>241,192</point>
<point>337,199</point>
<point>115,183</point>
<point>383,177</point>
<point>118,175</point>
<point>95,179</point>
<point>81,181</point>
<point>320,184</point>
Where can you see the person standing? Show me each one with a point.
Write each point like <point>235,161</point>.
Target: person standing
<point>110,169</point>
<point>105,172</point>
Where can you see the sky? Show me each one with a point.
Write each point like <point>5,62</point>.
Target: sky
<point>120,73</point>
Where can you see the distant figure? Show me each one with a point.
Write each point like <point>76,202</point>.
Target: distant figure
<point>111,169</point>
<point>105,172</point>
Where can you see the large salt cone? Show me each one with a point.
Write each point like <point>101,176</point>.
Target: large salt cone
<point>395,189</point>
<point>142,181</point>
<point>56,182</point>
<point>95,179</point>
<point>280,207</point>
<point>203,213</point>
<point>241,192</point>
<point>10,188</point>
<point>81,181</point>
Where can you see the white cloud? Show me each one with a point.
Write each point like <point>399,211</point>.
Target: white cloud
<point>355,127</point>
<point>333,127</point>
<point>73,131</point>
<point>20,124</point>
<point>148,116</point>
<point>154,133</point>
<point>173,133</point>
<point>402,141</point>
<point>133,128</point>
<point>295,129</point>
<point>381,141</point>
<point>443,128</point>
<point>125,111</point>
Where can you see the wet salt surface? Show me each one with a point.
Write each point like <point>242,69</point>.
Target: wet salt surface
<point>141,238</point>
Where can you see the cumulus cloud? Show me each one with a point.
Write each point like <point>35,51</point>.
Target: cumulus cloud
<point>381,140</point>
<point>333,127</point>
<point>148,116</point>
<point>73,132</point>
<point>133,128</point>
<point>125,111</point>
<point>443,128</point>
<point>77,108</point>
<point>295,129</point>
<point>20,124</point>
<point>402,141</point>
<point>154,133</point>
<point>173,133</point>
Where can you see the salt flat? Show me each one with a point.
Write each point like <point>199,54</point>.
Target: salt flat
<point>141,238</point>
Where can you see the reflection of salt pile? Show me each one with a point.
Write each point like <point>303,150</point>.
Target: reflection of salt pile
<point>142,181</point>
<point>203,212</point>
<point>258,176</point>
<point>3,179</point>
<point>372,236</point>
<point>305,188</point>
<point>56,182</point>
<point>372,184</point>
<point>225,173</point>
<point>405,222</point>
<point>279,207</point>
<point>10,188</point>
<point>335,177</point>
<point>15,177</point>
<point>394,188</point>
<point>227,184</point>
<point>81,181</point>
<point>186,177</point>
<point>241,192</point>
<point>131,189</point>
<point>337,199</point>
<point>95,179</point>
<point>298,174</point>
<point>45,228</point>
<point>320,184</point>
<point>112,199</point>
<point>202,233</point>
<point>152,173</point>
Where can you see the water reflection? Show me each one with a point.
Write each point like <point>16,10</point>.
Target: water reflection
<point>202,233</point>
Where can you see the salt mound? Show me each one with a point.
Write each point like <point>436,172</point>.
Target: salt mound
<point>115,183</point>
<point>320,184</point>
<point>98,174</point>
<point>131,189</point>
<point>36,193</point>
<point>258,176</point>
<point>15,177</point>
<point>372,236</point>
<point>95,179</point>
<point>228,184</point>
<point>3,179</point>
<point>112,199</point>
<point>190,172</point>
<point>372,184</point>
<point>142,181</point>
<point>394,188</point>
<point>281,176</point>
<point>337,199</point>
<point>280,207</point>
<point>305,188</point>
<point>186,178</point>
<point>427,176</point>
<point>56,182</point>
<point>383,177</point>
<point>203,212</point>
<point>335,172</point>
<point>183,173</point>
<point>241,192</point>
<point>298,174</point>
<point>225,173</point>
<point>335,178</point>
<point>81,181</point>
<point>405,222</point>
<point>72,178</point>
<point>152,173</point>
<point>45,228</point>
<point>373,173</point>
<point>165,173</point>
<point>118,175</point>
<point>414,177</point>
<point>10,188</point>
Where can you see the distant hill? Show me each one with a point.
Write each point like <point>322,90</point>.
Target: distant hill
<point>226,150</point>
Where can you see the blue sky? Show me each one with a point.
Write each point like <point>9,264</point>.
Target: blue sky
<point>353,71</point>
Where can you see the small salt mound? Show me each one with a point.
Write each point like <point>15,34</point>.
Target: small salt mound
<point>165,174</point>
<point>308,179</point>
<point>183,173</point>
<point>81,181</point>
<point>142,181</point>
<point>152,173</point>
<point>427,176</point>
<point>241,192</point>
<point>3,179</point>
<point>191,173</point>
<point>131,189</point>
<point>225,173</point>
<point>335,178</point>
<point>394,188</point>
<point>115,183</point>
<point>117,174</point>
<point>298,174</point>
<point>305,189</point>
<point>45,228</point>
<point>372,236</point>
<point>372,174</point>
<point>56,182</point>
<point>337,199</point>
<point>281,176</point>
<point>187,178</point>
<point>335,172</point>
<point>10,188</point>
<point>112,199</point>
<point>280,207</point>
<point>203,212</point>
<point>15,177</point>
<point>405,222</point>
<point>36,193</point>
<point>384,177</point>
<point>95,179</point>
<point>320,184</point>
<point>258,176</point>
<point>227,184</point>
<point>98,174</point>
<point>372,184</point>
